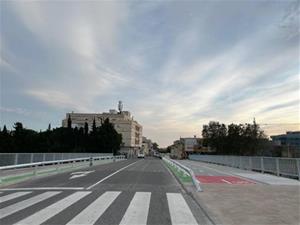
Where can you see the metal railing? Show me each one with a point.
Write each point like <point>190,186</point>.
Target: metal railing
<point>7,159</point>
<point>289,167</point>
<point>186,170</point>
<point>33,169</point>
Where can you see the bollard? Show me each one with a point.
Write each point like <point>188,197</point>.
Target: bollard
<point>91,161</point>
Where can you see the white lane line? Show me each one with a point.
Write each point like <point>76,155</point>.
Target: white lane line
<point>137,211</point>
<point>42,188</point>
<point>123,168</point>
<point>13,195</point>
<point>91,213</point>
<point>50,211</point>
<point>26,203</point>
<point>226,181</point>
<point>180,212</point>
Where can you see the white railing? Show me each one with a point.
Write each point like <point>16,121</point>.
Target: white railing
<point>279,166</point>
<point>185,170</point>
<point>33,168</point>
<point>7,159</point>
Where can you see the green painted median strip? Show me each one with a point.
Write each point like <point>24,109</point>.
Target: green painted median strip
<point>183,177</point>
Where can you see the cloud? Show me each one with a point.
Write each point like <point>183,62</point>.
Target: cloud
<point>176,65</point>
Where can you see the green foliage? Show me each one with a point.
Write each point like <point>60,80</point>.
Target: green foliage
<point>235,139</point>
<point>104,139</point>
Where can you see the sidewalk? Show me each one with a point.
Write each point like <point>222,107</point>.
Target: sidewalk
<point>265,200</point>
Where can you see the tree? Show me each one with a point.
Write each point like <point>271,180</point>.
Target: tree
<point>86,128</point>
<point>242,139</point>
<point>69,122</point>
<point>94,127</point>
<point>155,146</point>
<point>4,131</point>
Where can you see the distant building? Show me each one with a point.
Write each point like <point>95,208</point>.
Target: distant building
<point>147,146</point>
<point>190,144</point>
<point>289,143</point>
<point>124,124</point>
<point>177,150</point>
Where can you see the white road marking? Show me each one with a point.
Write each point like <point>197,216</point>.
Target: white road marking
<point>80,174</point>
<point>226,181</point>
<point>227,173</point>
<point>26,203</point>
<point>179,210</point>
<point>50,211</point>
<point>42,188</point>
<point>13,195</point>
<point>137,211</point>
<point>123,168</point>
<point>91,213</point>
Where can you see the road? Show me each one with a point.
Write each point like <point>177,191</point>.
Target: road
<point>126,192</point>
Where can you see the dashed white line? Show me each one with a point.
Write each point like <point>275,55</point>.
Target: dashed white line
<point>226,181</point>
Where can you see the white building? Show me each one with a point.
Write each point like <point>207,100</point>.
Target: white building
<point>124,124</point>
<point>189,143</point>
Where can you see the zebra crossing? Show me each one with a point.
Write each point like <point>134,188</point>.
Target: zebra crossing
<point>136,213</point>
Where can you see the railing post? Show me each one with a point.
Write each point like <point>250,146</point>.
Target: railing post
<point>44,157</point>
<point>298,168</point>
<point>240,161</point>
<point>31,157</point>
<point>262,164</point>
<point>16,158</point>
<point>277,167</point>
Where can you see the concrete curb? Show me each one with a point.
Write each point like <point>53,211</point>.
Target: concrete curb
<point>190,190</point>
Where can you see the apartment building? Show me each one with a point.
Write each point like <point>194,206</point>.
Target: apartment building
<point>123,122</point>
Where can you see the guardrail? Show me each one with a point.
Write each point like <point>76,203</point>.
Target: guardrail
<point>7,159</point>
<point>57,164</point>
<point>186,170</point>
<point>289,167</point>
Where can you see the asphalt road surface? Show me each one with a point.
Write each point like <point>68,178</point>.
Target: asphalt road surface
<point>131,192</point>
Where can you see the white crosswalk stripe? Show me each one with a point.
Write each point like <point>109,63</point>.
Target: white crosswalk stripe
<point>13,195</point>
<point>179,210</point>
<point>91,213</point>
<point>50,211</point>
<point>26,203</point>
<point>137,212</point>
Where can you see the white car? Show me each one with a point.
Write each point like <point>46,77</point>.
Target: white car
<point>141,155</point>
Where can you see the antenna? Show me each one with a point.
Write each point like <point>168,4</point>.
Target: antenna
<point>120,106</point>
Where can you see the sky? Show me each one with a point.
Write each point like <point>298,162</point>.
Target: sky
<point>176,65</point>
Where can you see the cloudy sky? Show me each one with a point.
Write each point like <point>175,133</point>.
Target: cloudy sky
<point>176,65</point>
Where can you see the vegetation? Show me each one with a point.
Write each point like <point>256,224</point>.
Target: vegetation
<point>235,139</point>
<point>104,139</point>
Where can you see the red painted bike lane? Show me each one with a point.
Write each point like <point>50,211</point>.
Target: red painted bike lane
<point>223,180</point>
